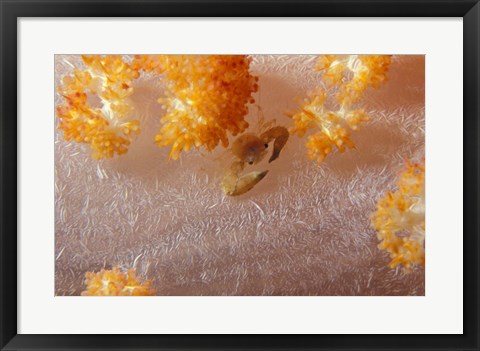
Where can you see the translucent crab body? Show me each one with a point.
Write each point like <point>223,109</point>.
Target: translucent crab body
<point>251,149</point>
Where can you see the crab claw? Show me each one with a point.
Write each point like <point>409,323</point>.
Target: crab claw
<point>242,184</point>
<point>280,135</point>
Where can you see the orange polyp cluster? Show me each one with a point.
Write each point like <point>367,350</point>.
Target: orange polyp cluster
<point>206,98</point>
<point>116,283</point>
<point>333,126</point>
<point>350,75</point>
<point>333,69</point>
<point>105,129</point>
<point>366,70</point>
<point>400,219</point>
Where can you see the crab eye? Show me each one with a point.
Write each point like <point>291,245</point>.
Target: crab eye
<point>250,163</point>
<point>266,145</point>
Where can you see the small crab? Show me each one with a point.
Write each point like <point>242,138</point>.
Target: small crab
<point>251,149</point>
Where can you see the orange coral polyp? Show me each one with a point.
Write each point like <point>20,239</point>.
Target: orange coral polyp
<point>105,129</point>
<point>206,99</point>
<point>357,71</point>
<point>400,219</point>
<point>332,126</point>
<point>116,283</point>
<point>352,74</point>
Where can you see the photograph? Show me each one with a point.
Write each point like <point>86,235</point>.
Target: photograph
<point>239,175</point>
<point>261,177</point>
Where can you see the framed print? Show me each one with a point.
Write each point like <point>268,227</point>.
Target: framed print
<point>239,175</point>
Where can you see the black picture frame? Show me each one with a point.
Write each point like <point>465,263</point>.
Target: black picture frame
<point>12,10</point>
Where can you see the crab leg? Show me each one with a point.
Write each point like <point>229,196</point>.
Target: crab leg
<point>280,135</point>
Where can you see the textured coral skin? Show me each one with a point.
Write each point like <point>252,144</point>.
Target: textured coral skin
<point>304,230</point>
